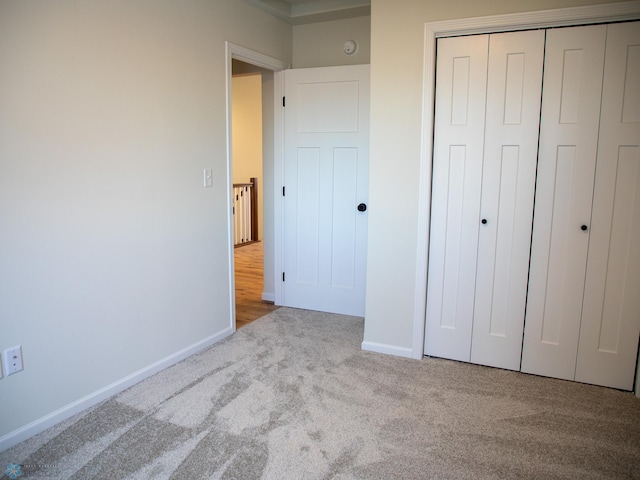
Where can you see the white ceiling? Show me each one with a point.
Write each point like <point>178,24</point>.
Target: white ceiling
<point>298,12</point>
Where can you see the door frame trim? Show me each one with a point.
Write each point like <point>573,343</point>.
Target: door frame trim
<point>563,17</point>
<point>277,66</point>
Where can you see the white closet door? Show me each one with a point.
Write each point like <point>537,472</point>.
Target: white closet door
<point>508,181</point>
<point>611,314</point>
<point>570,117</point>
<point>461,76</point>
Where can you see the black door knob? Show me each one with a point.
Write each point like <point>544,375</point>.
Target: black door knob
<point>484,221</point>
<point>584,228</point>
<point>362,207</point>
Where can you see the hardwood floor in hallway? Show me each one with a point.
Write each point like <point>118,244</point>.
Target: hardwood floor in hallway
<point>249,260</point>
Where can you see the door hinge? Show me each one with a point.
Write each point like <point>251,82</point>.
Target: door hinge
<point>284,101</point>
<point>283,276</point>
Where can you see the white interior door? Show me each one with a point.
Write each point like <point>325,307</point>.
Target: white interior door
<point>326,155</point>
<point>570,117</point>
<point>514,86</point>
<point>461,78</point>
<point>611,314</point>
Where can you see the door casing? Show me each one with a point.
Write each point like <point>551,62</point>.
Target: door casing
<point>277,66</point>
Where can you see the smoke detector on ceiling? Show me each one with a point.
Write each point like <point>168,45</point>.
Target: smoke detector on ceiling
<point>350,47</point>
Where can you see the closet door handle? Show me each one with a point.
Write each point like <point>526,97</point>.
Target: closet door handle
<point>584,228</point>
<point>483,221</point>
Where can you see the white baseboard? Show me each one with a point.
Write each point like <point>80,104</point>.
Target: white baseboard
<point>269,297</point>
<point>387,349</point>
<point>41,424</point>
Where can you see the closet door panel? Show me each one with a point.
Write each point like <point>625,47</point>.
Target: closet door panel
<point>570,116</point>
<point>611,313</point>
<point>508,182</point>
<point>457,172</point>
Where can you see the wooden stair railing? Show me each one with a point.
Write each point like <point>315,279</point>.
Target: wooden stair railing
<point>245,212</point>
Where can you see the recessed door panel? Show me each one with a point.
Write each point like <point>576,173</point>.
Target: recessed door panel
<point>308,219</point>
<point>328,107</point>
<point>630,93</point>
<point>344,218</point>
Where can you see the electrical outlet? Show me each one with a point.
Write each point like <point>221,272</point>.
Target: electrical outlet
<point>13,360</point>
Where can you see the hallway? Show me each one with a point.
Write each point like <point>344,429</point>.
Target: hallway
<point>249,283</point>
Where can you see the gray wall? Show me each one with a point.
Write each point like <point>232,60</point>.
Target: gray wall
<point>113,257</point>
<point>320,44</point>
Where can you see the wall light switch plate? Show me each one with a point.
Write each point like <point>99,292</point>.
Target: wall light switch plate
<point>208,177</point>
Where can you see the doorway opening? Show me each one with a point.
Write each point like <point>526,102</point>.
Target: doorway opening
<point>248,192</point>
<point>252,126</point>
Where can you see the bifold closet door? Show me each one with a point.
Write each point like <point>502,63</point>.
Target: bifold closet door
<point>485,150</point>
<point>461,78</point>
<point>508,185</point>
<point>611,311</point>
<point>570,117</point>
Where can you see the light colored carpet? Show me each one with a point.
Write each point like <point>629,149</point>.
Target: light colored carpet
<point>292,396</point>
